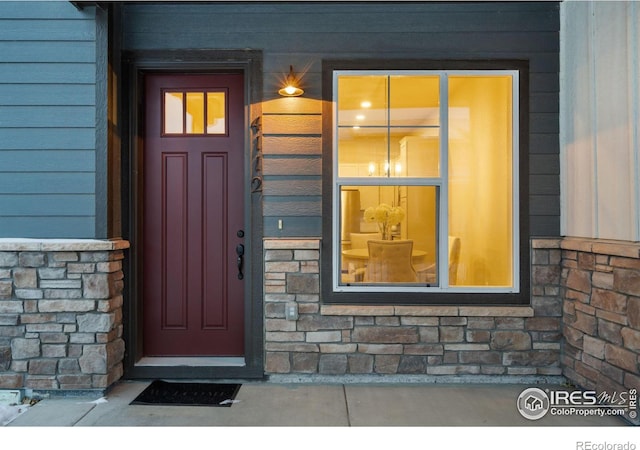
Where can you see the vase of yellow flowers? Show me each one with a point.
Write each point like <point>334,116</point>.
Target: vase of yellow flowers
<point>385,217</point>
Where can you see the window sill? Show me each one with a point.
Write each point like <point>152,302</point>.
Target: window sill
<point>462,311</point>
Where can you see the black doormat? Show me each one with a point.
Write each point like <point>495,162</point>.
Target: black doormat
<point>187,394</point>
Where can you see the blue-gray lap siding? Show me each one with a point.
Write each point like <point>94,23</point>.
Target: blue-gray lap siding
<point>303,35</point>
<point>47,120</point>
<point>48,89</point>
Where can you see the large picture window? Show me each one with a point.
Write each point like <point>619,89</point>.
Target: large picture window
<point>425,181</point>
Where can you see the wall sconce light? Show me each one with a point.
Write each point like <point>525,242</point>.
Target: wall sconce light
<point>291,86</point>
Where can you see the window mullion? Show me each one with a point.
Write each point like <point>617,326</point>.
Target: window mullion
<point>388,119</point>
<point>336,255</point>
<point>443,232</point>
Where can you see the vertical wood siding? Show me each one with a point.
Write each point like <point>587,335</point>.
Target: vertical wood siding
<point>601,120</point>
<point>303,34</point>
<point>47,120</point>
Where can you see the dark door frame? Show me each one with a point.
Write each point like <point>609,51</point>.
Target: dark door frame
<point>134,66</point>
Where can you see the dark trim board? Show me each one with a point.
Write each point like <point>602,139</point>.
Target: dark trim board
<point>520,298</point>
<point>102,113</point>
<point>134,66</point>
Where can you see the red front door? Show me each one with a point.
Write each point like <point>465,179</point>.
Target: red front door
<point>193,215</point>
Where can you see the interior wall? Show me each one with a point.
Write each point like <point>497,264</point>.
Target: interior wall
<point>480,186</point>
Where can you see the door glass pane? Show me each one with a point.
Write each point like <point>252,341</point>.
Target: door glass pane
<point>216,113</point>
<point>480,179</point>
<point>404,218</point>
<point>195,113</point>
<point>173,112</point>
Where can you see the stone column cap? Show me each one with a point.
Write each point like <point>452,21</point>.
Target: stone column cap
<point>611,247</point>
<point>61,245</point>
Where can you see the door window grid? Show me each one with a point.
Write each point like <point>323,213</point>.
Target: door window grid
<point>188,113</point>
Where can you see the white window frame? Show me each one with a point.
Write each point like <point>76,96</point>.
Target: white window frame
<point>441,182</point>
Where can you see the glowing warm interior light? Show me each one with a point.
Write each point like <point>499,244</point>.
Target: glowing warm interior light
<point>360,117</point>
<point>480,208</point>
<point>291,88</point>
<point>365,104</point>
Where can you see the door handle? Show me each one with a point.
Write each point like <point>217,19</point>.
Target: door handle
<point>240,253</point>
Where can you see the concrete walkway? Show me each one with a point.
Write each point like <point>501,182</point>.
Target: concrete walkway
<point>260,404</point>
<point>279,416</point>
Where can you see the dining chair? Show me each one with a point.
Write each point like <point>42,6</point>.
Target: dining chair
<point>359,240</point>
<point>390,262</point>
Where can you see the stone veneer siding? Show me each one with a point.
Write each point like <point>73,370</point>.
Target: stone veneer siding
<point>394,339</point>
<point>601,321</point>
<point>61,319</point>
<point>60,313</point>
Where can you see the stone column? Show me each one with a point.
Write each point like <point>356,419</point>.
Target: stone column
<point>61,313</point>
<point>601,323</point>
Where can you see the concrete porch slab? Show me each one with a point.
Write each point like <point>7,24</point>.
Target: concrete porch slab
<point>268,404</point>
